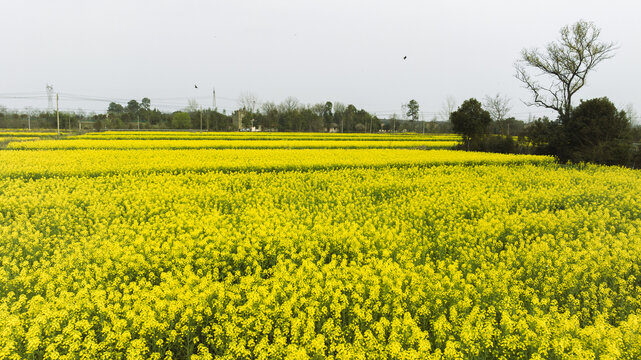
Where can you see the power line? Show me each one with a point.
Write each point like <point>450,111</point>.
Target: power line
<point>23,93</point>
<point>179,102</point>
<point>24,97</point>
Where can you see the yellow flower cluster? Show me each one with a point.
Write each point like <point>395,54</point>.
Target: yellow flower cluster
<point>342,254</point>
<point>35,164</point>
<point>7,137</point>
<point>229,144</point>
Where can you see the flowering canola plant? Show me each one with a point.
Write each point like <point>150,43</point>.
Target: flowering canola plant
<point>43,163</point>
<point>228,144</point>
<point>340,254</point>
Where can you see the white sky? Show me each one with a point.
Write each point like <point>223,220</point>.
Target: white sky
<point>345,51</point>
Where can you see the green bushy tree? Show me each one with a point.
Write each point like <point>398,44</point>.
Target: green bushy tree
<point>471,122</point>
<point>180,120</point>
<point>597,132</point>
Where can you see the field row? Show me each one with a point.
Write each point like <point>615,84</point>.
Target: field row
<point>45,163</point>
<point>486,261</point>
<point>227,144</point>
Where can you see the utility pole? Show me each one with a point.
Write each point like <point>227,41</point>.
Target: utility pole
<point>29,119</point>
<point>214,99</point>
<point>201,118</point>
<point>240,119</point>
<point>58,112</point>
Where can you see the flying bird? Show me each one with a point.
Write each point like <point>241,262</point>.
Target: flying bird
<point>196,86</point>
<point>404,57</point>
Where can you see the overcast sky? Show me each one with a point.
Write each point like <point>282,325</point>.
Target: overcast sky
<point>345,51</point>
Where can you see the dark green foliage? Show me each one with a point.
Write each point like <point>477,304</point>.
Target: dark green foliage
<point>115,108</point>
<point>181,120</point>
<point>547,137</point>
<point>498,144</point>
<point>133,107</point>
<point>507,127</point>
<point>595,132</point>
<point>328,115</point>
<point>471,122</point>
<point>412,110</point>
<point>145,104</point>
<point>98,124</point>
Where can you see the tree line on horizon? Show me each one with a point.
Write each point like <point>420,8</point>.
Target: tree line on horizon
<point>289,115</point>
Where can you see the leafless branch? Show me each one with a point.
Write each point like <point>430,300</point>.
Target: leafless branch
<point>566,63</point>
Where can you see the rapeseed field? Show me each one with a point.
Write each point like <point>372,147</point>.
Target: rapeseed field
<point>315,254</point>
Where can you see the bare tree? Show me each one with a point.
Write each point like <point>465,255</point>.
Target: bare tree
<point>567,63</point>
<point>339,107</point>
<point>404,111</point>
<point>289,105</point>
<point>192,105</point>
<point>318,109</point>
<point>268,106</point>
<point>393,120</point>
<point>498,106</point>
<point>248,101</point>
<point>447,108</point>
